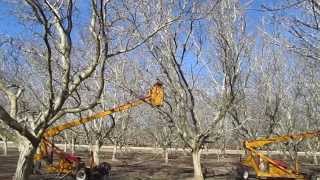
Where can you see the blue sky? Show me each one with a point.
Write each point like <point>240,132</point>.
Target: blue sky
<point>8,22</point>
<point>10,25</point>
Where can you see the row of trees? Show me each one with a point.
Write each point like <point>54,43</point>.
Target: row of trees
<point>227,75</point>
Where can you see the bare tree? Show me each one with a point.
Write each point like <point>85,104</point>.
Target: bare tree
<point>164,136</point>
<point>178,52</point>
<point>62,75</point>
<point>302,43</point>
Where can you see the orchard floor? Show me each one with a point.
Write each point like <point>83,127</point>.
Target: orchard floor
<point>141,165</point>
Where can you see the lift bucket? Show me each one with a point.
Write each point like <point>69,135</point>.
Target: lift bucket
<point>156,94</point>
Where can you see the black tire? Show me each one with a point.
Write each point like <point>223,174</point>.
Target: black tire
<point>82,174</point>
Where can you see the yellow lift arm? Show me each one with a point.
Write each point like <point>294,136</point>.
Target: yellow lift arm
<point>274,168</point>
<point>154,97</point>
<point>253,144</point>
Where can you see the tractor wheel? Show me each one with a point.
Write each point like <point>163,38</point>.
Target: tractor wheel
<point>82,174</point>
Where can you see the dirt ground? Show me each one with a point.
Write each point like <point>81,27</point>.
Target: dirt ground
<point>137,165</point>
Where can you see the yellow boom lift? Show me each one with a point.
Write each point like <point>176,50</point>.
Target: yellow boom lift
<point>267,168</point>
<point>71,164</point>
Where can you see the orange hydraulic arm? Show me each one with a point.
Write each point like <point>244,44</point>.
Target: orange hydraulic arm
<point>253,144</point>
<point>275,168</point>
<point>154,97</point>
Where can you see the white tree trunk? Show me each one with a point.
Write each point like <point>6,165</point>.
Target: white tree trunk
<point>65,146</point>
<point>5,146</point>
<point>96,152</point>
<point>114,153</point>
<point>25,161</point>
<point>185,151</point>
<point>313,153</point>
<point>166,155</point>
<point>20,147</point>
<point>315,159</point>
<point>72,145</point>
<point>197,165</point>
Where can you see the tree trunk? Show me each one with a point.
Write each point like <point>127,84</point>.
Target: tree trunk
<point>5,146</point>
<point>73,145</point>
<point>65,146</point>
<point>96,151</point>
<point>25,161</point>
<point>315,159</point>
<point>166,155</point>
<point>20,147</point>
<point>185,151</point>
<point>313,153</point>
<point>114,153</point>
<point>197,165</point>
